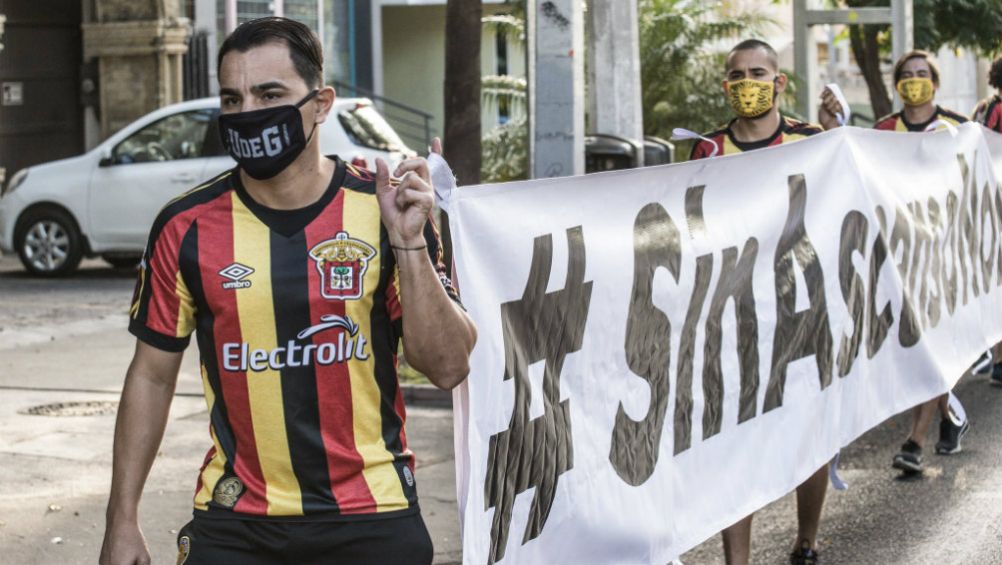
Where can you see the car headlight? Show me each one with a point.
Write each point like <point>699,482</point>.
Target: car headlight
<point>15,181</point>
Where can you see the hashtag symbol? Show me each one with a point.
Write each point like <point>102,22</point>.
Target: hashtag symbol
<point>534,453</point>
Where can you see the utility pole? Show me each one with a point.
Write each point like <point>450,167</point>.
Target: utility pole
<point>806,15</point>
<point>615,104</point>
<point>555,31</point>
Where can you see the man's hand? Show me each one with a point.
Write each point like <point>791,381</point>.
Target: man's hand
<point>142,417</point>
<point>828,109</point>
<point>405,207</point>
<point>124,544</point>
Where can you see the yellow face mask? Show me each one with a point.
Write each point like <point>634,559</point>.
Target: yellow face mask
<point>751,98</point>
<point>916,91</point>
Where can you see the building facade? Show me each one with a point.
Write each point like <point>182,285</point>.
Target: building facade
<point>73,72</point>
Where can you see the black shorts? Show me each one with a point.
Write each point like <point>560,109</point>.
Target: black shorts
<point>210,541</point>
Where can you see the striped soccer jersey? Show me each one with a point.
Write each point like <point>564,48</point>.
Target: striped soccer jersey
<point>788,130</point>
<point>989,113</point>
<point>298,319</point>
<point>897,121</point>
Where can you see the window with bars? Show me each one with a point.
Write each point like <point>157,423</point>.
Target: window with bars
<point>335,30</point>
<point>304,11</point>
<point>248,10</point>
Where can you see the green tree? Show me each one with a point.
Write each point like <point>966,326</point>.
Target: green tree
<point>682,49</point>
<point>971,24</point>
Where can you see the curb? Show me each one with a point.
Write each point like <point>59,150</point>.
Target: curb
<point>426,396</point>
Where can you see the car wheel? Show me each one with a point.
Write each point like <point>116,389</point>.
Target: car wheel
<point>49,243</point>
<point>122,262</point>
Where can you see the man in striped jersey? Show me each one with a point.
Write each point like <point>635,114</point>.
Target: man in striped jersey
<point>299,275</point>
<point>753,83</point>
<point>916,79</point>
<point>989,111</point>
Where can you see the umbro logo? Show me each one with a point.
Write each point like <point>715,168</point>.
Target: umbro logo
<point>236,273</point>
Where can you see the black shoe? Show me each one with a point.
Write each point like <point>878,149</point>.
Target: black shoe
<point>909,459</point>
<point>950,435</point>
<point>804,556</point>
<point>983,364</point>
<point>996,374</point>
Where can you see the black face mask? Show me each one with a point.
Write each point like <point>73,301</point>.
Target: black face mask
<point>265,142</point>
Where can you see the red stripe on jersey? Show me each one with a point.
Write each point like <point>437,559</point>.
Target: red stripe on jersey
<point>337,428</point>
<point>889,123</point>
<point>208,457</point>
<point>393,298</point>
<point>215,247</point>
<point>703,149</point>
<point>164,305</point>
<point>993,120</point>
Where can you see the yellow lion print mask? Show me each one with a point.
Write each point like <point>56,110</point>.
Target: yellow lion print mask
<point>751,98</point>
<point>916,91</point>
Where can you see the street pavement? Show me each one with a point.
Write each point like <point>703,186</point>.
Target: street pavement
<point>64,341</point>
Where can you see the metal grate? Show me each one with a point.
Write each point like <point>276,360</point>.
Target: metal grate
<point>304,11</point>
<point>196,67</point>
<point>248,10</point>
<point>89,408</point>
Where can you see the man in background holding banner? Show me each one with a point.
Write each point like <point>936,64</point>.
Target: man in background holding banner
<point>988,113</point>
<point>916,79</point>
<point>753,84</point>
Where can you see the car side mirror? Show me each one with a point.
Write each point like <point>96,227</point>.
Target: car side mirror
<point>106,160</point>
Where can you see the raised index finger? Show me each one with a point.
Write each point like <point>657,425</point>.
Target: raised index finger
<point>382,175</point>
<point>419,166</point>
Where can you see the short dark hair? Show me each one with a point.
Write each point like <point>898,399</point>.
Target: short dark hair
<point>750,44</point>
<point>917,54</point>
<point>995,74</point>
<point>304,47</point>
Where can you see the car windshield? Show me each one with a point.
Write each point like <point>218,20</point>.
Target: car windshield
<point>367,128</point>
<point>180,136</point>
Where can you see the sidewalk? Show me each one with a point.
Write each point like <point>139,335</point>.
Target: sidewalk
<point>55,471</point>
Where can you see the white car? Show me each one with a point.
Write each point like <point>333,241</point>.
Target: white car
<point>103,202</point>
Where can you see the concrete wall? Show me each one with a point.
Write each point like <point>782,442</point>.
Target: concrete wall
<point>138,47</point>
<point>414,58</point>
<point>958,81</point>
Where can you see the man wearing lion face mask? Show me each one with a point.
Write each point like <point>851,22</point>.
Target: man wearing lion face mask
<point>916,79</point>
<point>752,85</point>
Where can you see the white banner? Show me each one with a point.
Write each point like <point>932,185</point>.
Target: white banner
<point>663,351</point>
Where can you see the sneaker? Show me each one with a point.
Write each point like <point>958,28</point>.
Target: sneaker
<point>909,459</point>
<point>950,435</point>
<point>984,364</point>
<point>804,556</point>
<point>996,374</point>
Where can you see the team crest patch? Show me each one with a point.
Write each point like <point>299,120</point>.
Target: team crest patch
<point>183,549</point>
<point>228,491</point>
<point>342,263</point>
